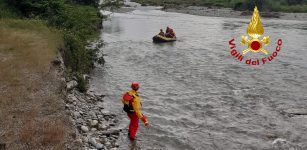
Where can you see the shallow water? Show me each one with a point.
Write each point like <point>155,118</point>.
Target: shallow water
<point>195,94</point>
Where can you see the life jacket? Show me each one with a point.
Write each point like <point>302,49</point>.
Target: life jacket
<point>172,33</point>
<point>128,108</point>
<point>162,33</point>
<point>167,30</point>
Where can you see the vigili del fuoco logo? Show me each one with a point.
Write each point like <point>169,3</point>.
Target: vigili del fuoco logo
<point>255,43</point>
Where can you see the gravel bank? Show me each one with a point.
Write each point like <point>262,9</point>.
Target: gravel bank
<point>95,127</point>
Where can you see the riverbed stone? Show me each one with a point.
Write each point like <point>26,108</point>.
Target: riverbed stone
<point>94,123</point>
<point>88,115</point>
<point>95,143</point>
<point>84,129</point>
<point>85,139</point>
<point>76,114</point>
<point>92,114</point>
<point>99,105</point>
<point>71,84</point>
<point>102,127</point>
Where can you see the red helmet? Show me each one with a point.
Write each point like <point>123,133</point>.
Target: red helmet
<point>135,85</point>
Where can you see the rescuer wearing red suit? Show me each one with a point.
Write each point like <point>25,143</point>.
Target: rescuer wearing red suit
<point>170,32</point>
<point>132,105</point>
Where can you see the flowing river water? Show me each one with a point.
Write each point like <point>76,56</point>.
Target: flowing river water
<point>195,94</point>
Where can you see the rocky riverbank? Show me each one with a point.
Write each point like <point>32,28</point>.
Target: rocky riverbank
<point>95,127</point>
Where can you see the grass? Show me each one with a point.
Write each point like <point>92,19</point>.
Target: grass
<point>31,110</point>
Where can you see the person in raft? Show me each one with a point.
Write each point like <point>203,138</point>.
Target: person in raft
<point>132,105</point>
<point>161,33</point>
<point>170,32</point>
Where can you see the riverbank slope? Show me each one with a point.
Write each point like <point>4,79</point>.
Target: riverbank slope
<point>43,44</point>
<point>32,106</point>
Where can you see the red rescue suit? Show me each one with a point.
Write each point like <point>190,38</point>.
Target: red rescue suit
<point>131,98</point>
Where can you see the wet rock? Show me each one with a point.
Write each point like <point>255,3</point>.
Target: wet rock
<point>71,84</point>
<point>84,129</point>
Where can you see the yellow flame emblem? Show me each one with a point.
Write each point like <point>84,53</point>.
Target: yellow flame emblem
<point>255,30</point>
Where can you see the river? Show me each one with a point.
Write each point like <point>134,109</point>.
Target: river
<point>195,94</point>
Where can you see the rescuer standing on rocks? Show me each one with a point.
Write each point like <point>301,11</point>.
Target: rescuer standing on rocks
<point>132,105</point>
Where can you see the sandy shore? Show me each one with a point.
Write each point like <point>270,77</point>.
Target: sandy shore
<point>227,12</point>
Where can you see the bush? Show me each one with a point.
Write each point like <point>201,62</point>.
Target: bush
<point>32,8</point>
<point>8,12</point>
